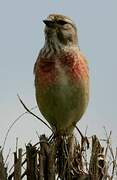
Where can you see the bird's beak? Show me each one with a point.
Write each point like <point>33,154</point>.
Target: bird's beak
<point>49,23</point>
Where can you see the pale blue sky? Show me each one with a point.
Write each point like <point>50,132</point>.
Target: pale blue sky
<point>21,37</point>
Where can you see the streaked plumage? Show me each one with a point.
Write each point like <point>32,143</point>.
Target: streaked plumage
<point>61,75</point>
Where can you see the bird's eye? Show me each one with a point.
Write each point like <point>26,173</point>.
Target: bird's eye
<point>61,22</point>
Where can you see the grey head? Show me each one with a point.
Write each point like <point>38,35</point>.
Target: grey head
<point>60,29</point>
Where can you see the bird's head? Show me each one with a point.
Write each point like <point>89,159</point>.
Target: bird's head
<point>60,30</point>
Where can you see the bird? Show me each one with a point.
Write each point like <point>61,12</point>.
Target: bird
<point>61,75</point>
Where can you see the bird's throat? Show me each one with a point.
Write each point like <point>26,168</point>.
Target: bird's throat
<point>53,47</point>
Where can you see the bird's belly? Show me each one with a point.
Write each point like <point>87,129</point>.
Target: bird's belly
<point>63,102</point>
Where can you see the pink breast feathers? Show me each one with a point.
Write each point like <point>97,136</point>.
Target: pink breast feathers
<point>80,69</point>
<point>45,71</point>
<point>76,66</point>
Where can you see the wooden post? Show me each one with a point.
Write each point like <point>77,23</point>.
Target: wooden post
<point>46,159</point>
<point>31,156</point>
<point>17,165</point>
<point>60,158</point>
<point>65,147</point>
